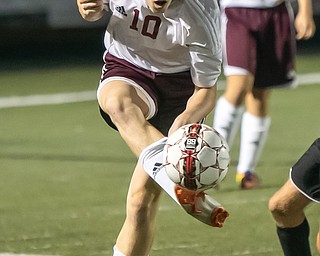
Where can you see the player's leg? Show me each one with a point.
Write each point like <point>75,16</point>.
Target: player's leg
<point>136,235</point>
<point>128,107</point>
<point>239,65</point>
<point>287,208</point>
<point>276,59</point>
<point>229,110</point>
<point>254,131</point>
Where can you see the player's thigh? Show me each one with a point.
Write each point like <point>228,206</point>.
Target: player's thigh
<point>257,102</point>
<point>118,95</point>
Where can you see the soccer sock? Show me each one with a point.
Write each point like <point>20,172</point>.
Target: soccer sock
<point>116,252</point>
<point>295,241</point>
<point>152,158</point>
<point>254,132</point>
<point>227,119</point>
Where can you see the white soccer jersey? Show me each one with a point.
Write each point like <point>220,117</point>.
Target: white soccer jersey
<point>185,37</point>
<point>251,3</point>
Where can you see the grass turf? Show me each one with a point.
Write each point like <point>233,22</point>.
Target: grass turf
<point>64,175</point>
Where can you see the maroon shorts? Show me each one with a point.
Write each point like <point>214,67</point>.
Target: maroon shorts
<point>169,92</point>
<point>262,42</point>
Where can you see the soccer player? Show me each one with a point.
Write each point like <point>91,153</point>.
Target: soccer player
<point>162,63</point>
<point>287,204</point>
<point>258,54</point>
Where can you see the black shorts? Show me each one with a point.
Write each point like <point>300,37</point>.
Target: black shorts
<point>169,93</point>
<point>305,174</point>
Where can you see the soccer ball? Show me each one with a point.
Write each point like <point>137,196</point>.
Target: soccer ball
<point>196,157</point>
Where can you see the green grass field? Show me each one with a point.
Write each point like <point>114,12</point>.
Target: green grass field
<point>64,174</point>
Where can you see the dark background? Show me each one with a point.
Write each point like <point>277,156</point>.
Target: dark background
<point>43,34</point>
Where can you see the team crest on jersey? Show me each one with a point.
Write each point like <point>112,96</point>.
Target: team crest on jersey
<point>121,10</point>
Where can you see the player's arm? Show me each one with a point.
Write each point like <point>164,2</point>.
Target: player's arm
<point>199,105</point>
<point>91,10</point>
<point>304,22</point>
<point>205,58</point>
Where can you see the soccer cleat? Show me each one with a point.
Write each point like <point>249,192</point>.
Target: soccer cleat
<point>202,207</point>
<point>239,177</point>
<point>249,180</point>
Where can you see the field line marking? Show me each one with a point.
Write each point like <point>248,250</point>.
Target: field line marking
<point>15,254</point>
<point>73,97</point>
<point>308,78</point>
<point>303,79</point>
<point>46,99</point>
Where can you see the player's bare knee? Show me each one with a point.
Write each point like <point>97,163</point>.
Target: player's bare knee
<point>278,208</point>
<point>141,201</point>
<point>116,109</point>
<point>110,104</point>
<point>140,208</point>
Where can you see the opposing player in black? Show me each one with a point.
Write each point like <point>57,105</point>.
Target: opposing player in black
<point>287,204</point>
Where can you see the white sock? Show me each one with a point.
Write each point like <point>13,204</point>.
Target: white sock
<point>151,159</point>
<point>227,119</point>
<point>254,132</point>
<point>116,252</point>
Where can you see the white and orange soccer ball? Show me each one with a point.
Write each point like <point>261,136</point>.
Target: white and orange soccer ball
<point>196,157</point>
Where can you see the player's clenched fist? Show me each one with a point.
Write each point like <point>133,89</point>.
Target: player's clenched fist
<point>91,10</point>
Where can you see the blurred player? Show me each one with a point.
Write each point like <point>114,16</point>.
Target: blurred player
<point>258,54</point>
<point>162,62</point>
<point>287,205</point>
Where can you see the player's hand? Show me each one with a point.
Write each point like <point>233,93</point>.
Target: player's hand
<point>305,27</point>
<point>183,119</point>
<point>178,122</point>
<point>91,10</point>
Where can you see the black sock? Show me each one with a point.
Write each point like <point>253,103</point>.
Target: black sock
<point>295,241</point>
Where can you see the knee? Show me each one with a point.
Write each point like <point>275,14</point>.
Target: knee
<point>115,108</point>
<point>278,208</point>
<point>142,204</point>
<point>110,105</point>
